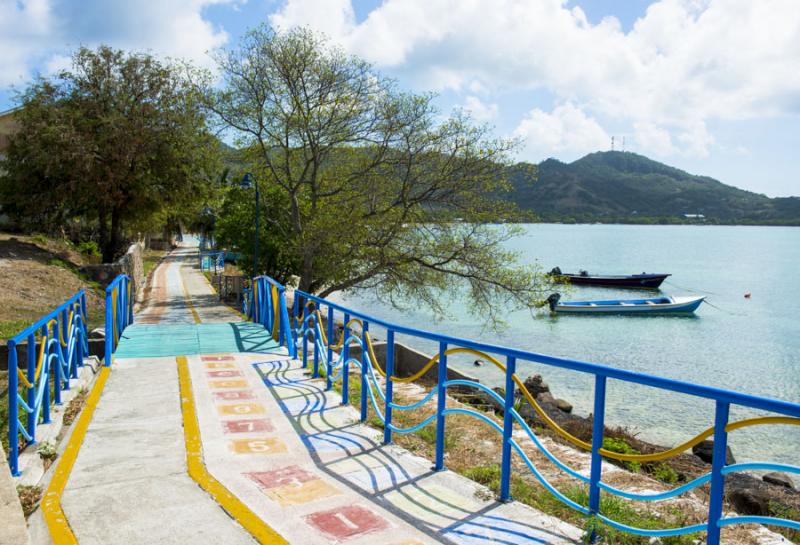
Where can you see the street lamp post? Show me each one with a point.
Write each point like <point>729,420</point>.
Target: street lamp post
<point>247,182</point>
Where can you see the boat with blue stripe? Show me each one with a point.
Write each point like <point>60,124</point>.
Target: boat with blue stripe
<point>654,305</point>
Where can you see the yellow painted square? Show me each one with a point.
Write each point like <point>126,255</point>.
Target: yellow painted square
<point>223,384</point>
<point>265,445</point>
<point>241,409</point>
<point>220,365</point>
<point>294,494</point>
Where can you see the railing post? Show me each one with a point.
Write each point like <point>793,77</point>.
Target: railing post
<point>315,372</point>
<point>295,312</point>
<point>346,364</point>
<point>717,478</point>
<point>31,392</point>
<point>281,325</point>
<point>389,368</point>
<point>45,376</point>
<point>508,428</point>
<point>131,296</point>
<point>440,406</point>
<point>305,336</point>
<point>364,370</point>
<point>329,363</point>
<point>58,373</point>
<point>13,409</point>
<point>109,329</point>
<point>598,430</point>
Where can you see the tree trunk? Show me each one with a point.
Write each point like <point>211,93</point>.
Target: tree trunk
<point>108,252</point>
<point>116,236</point>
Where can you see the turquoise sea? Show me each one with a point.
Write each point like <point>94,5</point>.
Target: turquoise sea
<point>749,345</point>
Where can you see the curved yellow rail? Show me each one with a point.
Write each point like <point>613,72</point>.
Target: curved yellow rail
<point>275,316</point>
<point>656,456</point>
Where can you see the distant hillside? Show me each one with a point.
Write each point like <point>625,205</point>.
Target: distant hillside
<point>615,186</point>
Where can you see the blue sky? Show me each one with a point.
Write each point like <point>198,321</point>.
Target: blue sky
<point>710,86</point>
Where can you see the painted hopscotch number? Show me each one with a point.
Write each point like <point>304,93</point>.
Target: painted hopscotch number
<point>225,373</point>
<point>247,426</point>
<point>241,409</point>
<point>217,358</point>
<point>228,384</point>
<point>267,445</point>
<point>285,476</point>
<point>345,522</point>
<point>236,395</point>
<point>220,365</point>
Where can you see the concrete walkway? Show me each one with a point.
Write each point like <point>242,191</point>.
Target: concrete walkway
<point>273,445</point>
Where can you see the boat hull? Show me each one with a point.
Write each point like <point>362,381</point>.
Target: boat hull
<point>647,281</point>
<point>666,305</point>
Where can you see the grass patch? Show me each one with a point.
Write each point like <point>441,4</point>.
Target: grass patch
<point>151,258</point>
<point>614,508</point>
<point>622,447</point>
<point>29,498</point>
<point>12,327</point>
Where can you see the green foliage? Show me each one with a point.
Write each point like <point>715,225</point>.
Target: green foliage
<point>664,473</point>
<point>119,139</point>
<point>12,327</point>
<point>47,451</point>
<point>623,187</point>
<point>89,248</point>
<point>365,186</point>
<point>621,446</point>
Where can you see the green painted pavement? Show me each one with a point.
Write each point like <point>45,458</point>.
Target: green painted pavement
<point>162,340</point>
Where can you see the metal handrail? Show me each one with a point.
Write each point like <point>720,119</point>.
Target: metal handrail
<point>265,303</point>
<point>63,344</point>
<point>308,326</point>
<point>119,313</point>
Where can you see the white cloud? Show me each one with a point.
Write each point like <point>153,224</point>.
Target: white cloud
<point>479,110</point>
<point>683,64</point>
<point>36,33</point>
<point>566,130</point>
<point>22,25</point>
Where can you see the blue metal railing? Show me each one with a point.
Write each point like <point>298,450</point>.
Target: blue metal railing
<point>119,312</point>
<point>63,343</point>
<point>265,303</point>
<point>307,327</point>
<point>215,260</point>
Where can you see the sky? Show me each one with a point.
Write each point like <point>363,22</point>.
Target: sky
<point>709,86</point>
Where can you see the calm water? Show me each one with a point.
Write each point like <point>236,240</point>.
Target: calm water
<point>749,345</point>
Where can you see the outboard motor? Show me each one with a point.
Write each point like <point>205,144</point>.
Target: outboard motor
<point>553,301</point>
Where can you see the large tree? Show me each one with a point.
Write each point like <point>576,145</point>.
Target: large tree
<point>119,139</point>
<point>378,190</point>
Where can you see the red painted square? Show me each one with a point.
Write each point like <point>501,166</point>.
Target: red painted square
<point>247,426</point>
<point>216,358</point>
<point>224,373</point>
<point>234,395</point>
<point>346,522</point>
<point>291,475</point>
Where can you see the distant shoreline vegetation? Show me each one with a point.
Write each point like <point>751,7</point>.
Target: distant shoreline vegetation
<point>659,220</point>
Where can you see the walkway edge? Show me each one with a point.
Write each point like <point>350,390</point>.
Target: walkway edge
<point>54,516</point>
<point>262,532</point>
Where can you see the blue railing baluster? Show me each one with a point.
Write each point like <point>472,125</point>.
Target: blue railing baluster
<point>718,461</point>
<point>315,373</point>
<point>440,406</point>
<point>304,344</point>
<point>331,339</point>
<point>364,364</point>
<point>508,428</point>
<point>13,408</point>
<point>346,368</point>
<point>32,391</point>
<point>598,430</point>
<point>389,368</point>
<point>45,375</point>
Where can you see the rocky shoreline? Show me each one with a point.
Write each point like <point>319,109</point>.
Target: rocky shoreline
<point>773,494</point>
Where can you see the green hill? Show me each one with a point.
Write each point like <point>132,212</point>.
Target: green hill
<point>616,186</point>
